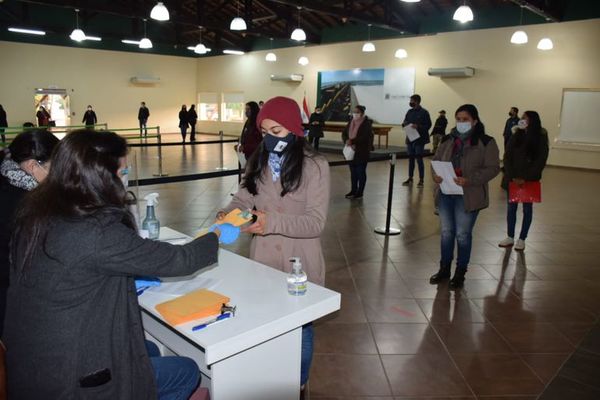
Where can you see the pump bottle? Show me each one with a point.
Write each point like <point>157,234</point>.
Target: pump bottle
<point>297,279</point>
<point>151,223</point>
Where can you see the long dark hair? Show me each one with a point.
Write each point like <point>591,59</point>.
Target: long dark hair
<point>479,129</point>
<point>82,182</point>
<point>35,144</point>
<point>254,110</point>
<point>291,169</point>
<point>532,137</point>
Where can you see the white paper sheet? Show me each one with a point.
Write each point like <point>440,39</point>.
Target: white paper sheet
<point>348,153</point>
<point>411,133</point>
<point>445,170</point>
<point>179,288</point>
<point>242,159</point>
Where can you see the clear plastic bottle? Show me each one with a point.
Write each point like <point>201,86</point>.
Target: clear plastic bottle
<point>151,223</point>
<point>297,279</point>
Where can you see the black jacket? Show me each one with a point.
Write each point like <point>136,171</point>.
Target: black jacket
<point>192,117</point>
<point>512,121</point>
<point>419,116</point>
<point>363,142</point>
<point>75,311</point>
<point>519,164</point>
<point>143,114</point>
<point>316,130</point>
<point>10,198</point>
<point>89,117</point>
<point>440,126</point>
<point>3,121</point>
<point>183,119</point>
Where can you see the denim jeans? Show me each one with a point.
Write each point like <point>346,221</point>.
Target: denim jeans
<point>183,132</point>
<point>511,219</point>
<point>308,334</point>
<point>358,177</point>
<point>457,226</point>
<point>143,124</point>
<point>176,377</point>
<point>415,152</point>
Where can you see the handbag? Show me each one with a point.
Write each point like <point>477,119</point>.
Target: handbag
<point>348,153</point>
<point>529,192</point>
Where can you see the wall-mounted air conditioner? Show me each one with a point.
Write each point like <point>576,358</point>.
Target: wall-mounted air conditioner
<point>459,72</point>
<point>145,80</point>
<point>288,78</point>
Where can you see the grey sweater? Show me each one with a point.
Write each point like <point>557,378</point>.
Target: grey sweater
<point>74,310</point>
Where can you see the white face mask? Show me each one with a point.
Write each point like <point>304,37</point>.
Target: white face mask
<point>355,115</point>
<point>125,177</point>
<point>522,124</point>
<point>463,127</point>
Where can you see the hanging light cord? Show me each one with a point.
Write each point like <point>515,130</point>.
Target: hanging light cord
<point>77,18</point>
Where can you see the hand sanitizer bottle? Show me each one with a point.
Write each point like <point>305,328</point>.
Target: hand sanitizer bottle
<point>296,281</point>
<point>151,223</point>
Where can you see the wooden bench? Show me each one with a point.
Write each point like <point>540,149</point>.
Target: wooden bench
<point>378,130</point>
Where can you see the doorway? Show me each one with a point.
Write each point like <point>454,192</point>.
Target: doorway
<point>56,102</point>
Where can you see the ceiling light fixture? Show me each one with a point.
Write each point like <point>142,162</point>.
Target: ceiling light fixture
<point>303,61</point>
<point>94,38</point>
<point>463,13</point>
<point>298,34</point>
<point>145,43</point>
<point>159,12</point>
<point>519,37</point>
<point>400,53</point>
<point>128,41</point>
<point>200,48</point>
<point>238,23</point>
<point>368,47</point>
<point>411,1</point>
<point>234,52</point>
<point>271,57</point>
<point>28,31</point>
<point>545,44</point>
<point>77,34</point>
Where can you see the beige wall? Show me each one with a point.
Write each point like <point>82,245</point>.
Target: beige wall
<point>505,74</point>
<point>96,77</point>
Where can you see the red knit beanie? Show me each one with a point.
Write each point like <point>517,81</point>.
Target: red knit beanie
<point>283,110</point>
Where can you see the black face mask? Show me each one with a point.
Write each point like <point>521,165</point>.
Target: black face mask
<point>412,104</point>
<point>248,114</point>
<point>278,145</point>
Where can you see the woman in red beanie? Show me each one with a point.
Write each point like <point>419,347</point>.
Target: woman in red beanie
<point>288,184</point>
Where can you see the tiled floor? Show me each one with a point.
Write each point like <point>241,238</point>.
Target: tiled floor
<point>504,336</point>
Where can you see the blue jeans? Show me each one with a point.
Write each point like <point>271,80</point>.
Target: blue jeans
<point>358,177</point>
<point>183,132</point>
<point>457,225</point>
<point>143,124</point>
<point>415,152</point>
<point>176,377</point>
<point>511,219</point>
<point>308,334</point>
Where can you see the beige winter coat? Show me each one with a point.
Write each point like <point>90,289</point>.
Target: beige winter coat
<point>294,222</point>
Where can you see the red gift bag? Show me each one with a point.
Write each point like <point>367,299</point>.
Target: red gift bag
<point>529,192</point>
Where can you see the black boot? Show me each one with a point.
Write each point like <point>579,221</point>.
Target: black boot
<point>458,280</point>
<point>442,275</point>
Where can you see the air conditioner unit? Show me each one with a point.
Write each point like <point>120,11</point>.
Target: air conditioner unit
<point>459,72</point>
<point>288,78</point>
<point>145,80</point>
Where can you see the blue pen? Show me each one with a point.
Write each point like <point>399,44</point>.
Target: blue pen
<point>204,325</point>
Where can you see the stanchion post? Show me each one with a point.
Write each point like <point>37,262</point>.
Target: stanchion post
<point>388,218</point>
<point>160,171</point>
<point>221,167</point>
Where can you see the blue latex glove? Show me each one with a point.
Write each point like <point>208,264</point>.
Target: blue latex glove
<point>229,233</point>
<point>145,282</point>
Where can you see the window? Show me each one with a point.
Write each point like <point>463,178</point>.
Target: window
<point>208,106</point>
<point>233,107</point>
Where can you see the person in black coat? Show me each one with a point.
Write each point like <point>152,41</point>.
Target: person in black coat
<point>3,123</point>
<point>524,160</point>
<point>359,134</point>
<point>43,117</point>
<point>439,130</point>
<point>89,118</point>
<point>22,167</point>
<point>513,120</point>
<point>315,129</point>
<point>192,119</point>
<point>418,118</point>
<point>73,324</point>
<point>183,122</point>
<point>143,115</point>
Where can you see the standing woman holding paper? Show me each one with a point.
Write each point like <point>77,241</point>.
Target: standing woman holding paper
<point>475,158</point>
<point>73,325</point>
<point>524,160</point>
<point>288,184</point>
<point>359,135</point>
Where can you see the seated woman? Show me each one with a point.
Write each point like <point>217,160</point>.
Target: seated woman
<point>73,326</point>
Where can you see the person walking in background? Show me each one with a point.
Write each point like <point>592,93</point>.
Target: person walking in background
<point>419,119</point>
<point>251,137</point>
<point>192,119</point>
<point>261,104</point>
<point>315,129</point>
<point>475,158</point>
<point>287,182</point>
<point>358,134</point>
<point>43,117</point>
<point>439,129</point>
<point>524,160</point>
<point>89,118</point>
<point>143,115</point>
<point>513,120</point>
<point>21,170</point>
<point>183,122</point>
<point>3,123</point>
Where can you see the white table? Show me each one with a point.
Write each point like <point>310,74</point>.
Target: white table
<point>256,354</point>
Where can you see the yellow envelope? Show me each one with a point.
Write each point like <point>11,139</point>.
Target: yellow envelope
<point>236,217</point>
<point>198,304</point>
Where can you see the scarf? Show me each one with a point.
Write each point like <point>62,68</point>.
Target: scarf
<point>275,162</point>
<point>16,176</point>
<point>354,125</point>
<point>460,139</point>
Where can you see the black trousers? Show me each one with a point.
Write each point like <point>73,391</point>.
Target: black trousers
<point>358,178</point>
<point>314,142</point>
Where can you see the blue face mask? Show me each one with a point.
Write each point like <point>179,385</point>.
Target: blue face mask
<point>278,145</point>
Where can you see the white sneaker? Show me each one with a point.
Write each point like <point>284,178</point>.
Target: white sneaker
<point>520,246</point>
<point>508,242</point>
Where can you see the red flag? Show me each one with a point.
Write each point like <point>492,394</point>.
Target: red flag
<point>305,111</point>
